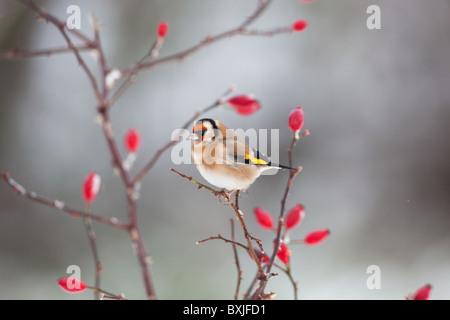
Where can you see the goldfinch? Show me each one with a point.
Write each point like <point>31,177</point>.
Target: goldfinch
<point>223,159</point>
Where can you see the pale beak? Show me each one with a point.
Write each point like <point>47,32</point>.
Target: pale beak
<point>193,136</point>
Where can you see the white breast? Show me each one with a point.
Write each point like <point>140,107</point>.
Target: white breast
<point>221,180</point>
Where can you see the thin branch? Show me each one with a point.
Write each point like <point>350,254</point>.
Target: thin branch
<point>143,258</point>
<point>267,33</point>
<point>61,26</point>
<point>262,5</point>
<point>104,69</point>
<point>236,260</point>
<point>152,53</point>
<point>59,205</point>
<point>258,242</point>
<point>251,287</point>
<point>19,54</point>
<point>42,14</point>
<point>292,174</point>
<point>93,244</point>
<point>287,271</point>
<point>83,64</point>
<point>117,160</point>
<point>294,285</point>
<point>248,236</point>
<point>200,185</point>
<point>219,237</point>
<point>106,294</point>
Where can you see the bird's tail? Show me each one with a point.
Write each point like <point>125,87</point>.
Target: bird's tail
<point>284,167</point>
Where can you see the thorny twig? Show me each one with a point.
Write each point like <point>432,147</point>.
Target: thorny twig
<point>236,261</point>
<point>219,237</point>
<point>106,294</point>
<point>288,272</point>
<point>93,244</point>
<point>19,54</point>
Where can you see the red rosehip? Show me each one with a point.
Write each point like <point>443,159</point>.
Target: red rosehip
<point>71,284</point>
<point>263,218</point>
<point>91,187</point>
<point>294,216</point>
<point>244,104</point>
<point>132,140</point>
<point>423,293</point>
<point>296,119</point>
<point>162,29</point>
<point>316,237</point>
<point>283,253</point>
<point>299,25</point>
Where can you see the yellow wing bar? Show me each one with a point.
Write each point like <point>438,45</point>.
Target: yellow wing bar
<point>255,160</point>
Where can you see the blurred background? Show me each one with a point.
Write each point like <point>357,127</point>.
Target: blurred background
<point>376,167</point>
